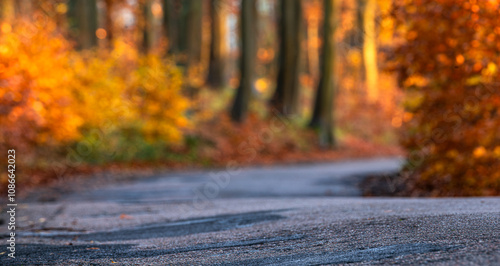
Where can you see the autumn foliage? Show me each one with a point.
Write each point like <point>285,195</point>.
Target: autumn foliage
<point>36,77</point>
<point>448,66</point>
<point>53,97</point>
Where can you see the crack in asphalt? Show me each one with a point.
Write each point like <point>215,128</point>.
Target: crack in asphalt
<point>352,256</point>
<point>44,254</point>
<point>116,251</point>
<point>171,229</point>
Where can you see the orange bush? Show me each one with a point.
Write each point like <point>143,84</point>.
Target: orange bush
<point>448,65</point>
<point>51,96</point>
<point>36,104</point>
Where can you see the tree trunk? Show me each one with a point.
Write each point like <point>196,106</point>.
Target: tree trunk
<point>83,21</point>
<point>359,34</point>
<point>369,8</point>
<point>218,49</point>
<point>322,118</point>
<point>170,21</point>
<point>108,22</point>
<point>247,61</point>
<point>148,36</point>
<point>183,30</point>
<point>285,98</point>
<point>190,32</point>
<point>194,31</point>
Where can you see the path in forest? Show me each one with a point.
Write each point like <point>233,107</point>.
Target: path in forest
<point>284,215</point>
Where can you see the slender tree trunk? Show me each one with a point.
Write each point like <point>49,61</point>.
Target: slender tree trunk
<point>247,61</point>
<point>216,66</point>
<point>83,20</point>
<point>190,32</point>
<point>369,8</point>
<point>183,28</point>
<point>322,118</point>
<point>194,31</point>
<point>108,22</point>
<point>285,98</point>
<point>170,21</point>
<point>148,37</point>
<point>359,34</point>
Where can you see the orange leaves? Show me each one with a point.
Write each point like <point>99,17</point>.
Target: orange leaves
<point>51,95</point>
<point>5,28</point>
<point>34,71</point>
<point>455,123</point>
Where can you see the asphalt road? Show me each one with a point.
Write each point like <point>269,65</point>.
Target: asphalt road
<point>289,215</point>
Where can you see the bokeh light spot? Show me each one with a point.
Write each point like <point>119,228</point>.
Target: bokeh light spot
<point>62,8</point>
<point>101,33</point>
<point>6,28</point>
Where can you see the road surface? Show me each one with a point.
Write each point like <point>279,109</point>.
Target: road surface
<point>286,215</point>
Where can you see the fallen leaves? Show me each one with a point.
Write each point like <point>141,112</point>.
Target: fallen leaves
<point>124,216</point>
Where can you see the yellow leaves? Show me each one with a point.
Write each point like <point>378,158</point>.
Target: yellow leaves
<point>355,58</point>
<point>262,85</point>
<point>50,92</point>
<point>4,50</point>
<point>34,71</point>
<point>416,80</point>
<point>38,106</point>
<point>156,91</point>
<point>490,70</point>
<point>496,152</point>
<point>124,52</point>
<point>414,100</point>
<point>474,80</point>
<point>5,28</point>
<point>61,8</point>
<point>194,75</point>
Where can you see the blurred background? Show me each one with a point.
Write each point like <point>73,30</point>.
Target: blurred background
<point>118,85</point>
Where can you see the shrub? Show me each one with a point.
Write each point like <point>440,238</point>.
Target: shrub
<point>36,102</point>
<point>53,98</point>
<point>448,65</point>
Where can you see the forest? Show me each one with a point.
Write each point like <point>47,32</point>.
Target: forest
<point>129,86</point>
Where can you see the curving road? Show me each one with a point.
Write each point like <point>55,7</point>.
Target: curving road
<point>285,215</point>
